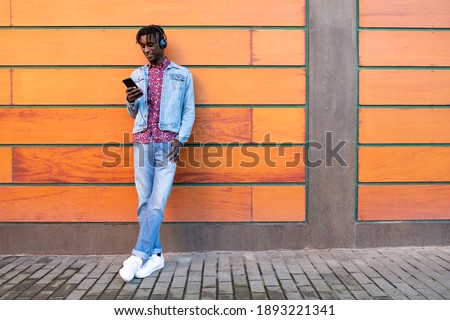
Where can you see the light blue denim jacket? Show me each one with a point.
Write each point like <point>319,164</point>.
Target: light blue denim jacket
<point>177,108</point>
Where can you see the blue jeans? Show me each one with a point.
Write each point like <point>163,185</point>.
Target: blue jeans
<point>153,175</point>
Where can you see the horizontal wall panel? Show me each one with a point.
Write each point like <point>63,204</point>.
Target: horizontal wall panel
<point>5,165</point>
<point>279,125</point>
<point>119,204</point>
<point>62,125</point>
<point>250,86</point>
<point>222,125</point>
<point>404,87</point>
<point>72,164</point>
<point>113,164</point>
<point>5,12</point>
<point>278,47</point>
<point>93,47</point>
<point>111,125</point>
<point>411,202</point>
<point>278,203</point>
<point>404,164</point>
<point>401,13</point>
<point>5,86</point>
<point>246,164</point>
<point>172,13</point>
<point>209,204</point>
<point>404,48</point>
<point>57,86</point>
<point>398,125</point>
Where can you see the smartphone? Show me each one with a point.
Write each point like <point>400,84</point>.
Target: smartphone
<point>129,83</point>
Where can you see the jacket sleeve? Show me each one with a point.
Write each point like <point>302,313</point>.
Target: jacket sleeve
<point>188,111</point>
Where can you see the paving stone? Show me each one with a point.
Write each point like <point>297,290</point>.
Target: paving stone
<point>242,293</point>
<point>288,285</point>
<point>293,295</point>
<point>259,296</point>
<point>208,294</point>
<point>257,286</point>
<point>225,288</point>
<point>108,295</point>
<point>270,280</point>
<point>142,294</point>
<point>175,294</point>
<point>193,287</point>
<point>195,276</point>
<point>361,295</point>
<point>209,282</point>
<point>223,276</point>
<point>192,296</point>
<point>178,282</point>
<point>275,293</point>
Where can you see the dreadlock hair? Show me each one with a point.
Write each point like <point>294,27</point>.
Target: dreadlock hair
<point>153,30</point>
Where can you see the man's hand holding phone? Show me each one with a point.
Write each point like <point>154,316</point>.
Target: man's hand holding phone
<point>133,92</point>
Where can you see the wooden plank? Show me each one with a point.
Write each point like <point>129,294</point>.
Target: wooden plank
<point>5,164</point>
<point>250,86</point>
<point>422,125</point>
<point>278,47</point>
<point>5,12</point>
<point>243,86</point>
<point>5,86</point>
<point>95,164</point>
<point>397,13</point>
<point>278,203</point>
<point>404,164</point>
<point>173,13</point>
<point>62,125</point>
<point>113,164</point>
<point>209,204</point>
<point>404,202</point>
<point>111,125</point>
<point>222,125</point>
<point>404,87</point>
<point>118,204</point>
<point>404,48</point>
<point>279,125</point>
<point>93,47</point>
<point>241,164</point>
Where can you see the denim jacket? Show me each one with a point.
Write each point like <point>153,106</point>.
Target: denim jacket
<point>177,109</point>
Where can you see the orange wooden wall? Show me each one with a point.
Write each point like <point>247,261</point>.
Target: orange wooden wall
<point>404,110</point>
<point>61,100</point>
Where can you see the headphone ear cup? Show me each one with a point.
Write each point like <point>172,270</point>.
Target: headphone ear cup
<point>163,43</point>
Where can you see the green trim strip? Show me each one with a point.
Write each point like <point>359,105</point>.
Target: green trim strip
<point>404,183</point>
<point>190,184</point>
<point>136,66</point>
<point>402,106</point>
<point>194,145</point>
<point>165,27</point>
<point>404,28</point>
<point>307,108</point>
<point>356,172</point>
<point>393,221</point>
<point>404,67</point>
<point>165,223</point>
<point>403,145</point>
<point>199,106</point>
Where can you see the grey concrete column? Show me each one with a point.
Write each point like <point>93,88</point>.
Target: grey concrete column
<point>332,108</point>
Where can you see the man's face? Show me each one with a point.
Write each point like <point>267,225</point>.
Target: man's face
<point>151,49</point>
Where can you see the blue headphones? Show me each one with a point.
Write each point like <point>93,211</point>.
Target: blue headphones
<point>163,40</point>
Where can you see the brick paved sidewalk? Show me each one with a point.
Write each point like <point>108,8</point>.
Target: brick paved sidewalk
<point>387,273</point>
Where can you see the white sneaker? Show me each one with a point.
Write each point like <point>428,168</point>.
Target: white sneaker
<point>154,263</point>
<point>130,267</point>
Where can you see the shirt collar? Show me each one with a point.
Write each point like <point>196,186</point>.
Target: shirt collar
<point>163,65</point>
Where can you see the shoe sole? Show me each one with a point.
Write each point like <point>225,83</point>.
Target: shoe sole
<point>146,275</point>
<point>124,278</point>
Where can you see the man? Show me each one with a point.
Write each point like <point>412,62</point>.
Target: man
<point>163,107</point>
